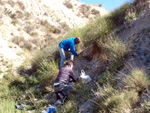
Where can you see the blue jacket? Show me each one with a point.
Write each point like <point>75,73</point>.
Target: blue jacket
<point>68,43</point>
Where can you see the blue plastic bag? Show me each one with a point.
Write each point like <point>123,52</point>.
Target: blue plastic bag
<point>50,110</point>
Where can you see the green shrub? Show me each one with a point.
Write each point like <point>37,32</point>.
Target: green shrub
<point>130,16</point>
<point>7,106</point>
<point>99,29</point>
<point>47,72</point>
<point>13,86</point>
<point>23,83</point>
<point>38,57</point>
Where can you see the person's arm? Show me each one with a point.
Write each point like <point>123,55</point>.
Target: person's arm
<point>72,50</point>
<point>74,78</point>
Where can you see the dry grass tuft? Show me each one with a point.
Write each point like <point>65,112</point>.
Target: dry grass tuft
<point>137,80</point>
<point>112,100</point>
<point>108,49</point>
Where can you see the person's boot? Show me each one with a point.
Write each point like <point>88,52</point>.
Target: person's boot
<point>62,97</point>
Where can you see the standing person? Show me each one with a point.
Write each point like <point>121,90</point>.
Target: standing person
<point>62,83</point>
<point>68,45</point>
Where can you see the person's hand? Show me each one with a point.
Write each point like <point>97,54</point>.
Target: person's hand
<point>73,61</point>
<point>79,56</point>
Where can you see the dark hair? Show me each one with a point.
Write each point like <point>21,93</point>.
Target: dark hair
<point>77,38</point>
<point>69,62</point>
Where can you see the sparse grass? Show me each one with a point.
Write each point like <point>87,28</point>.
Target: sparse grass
<point>145,108</point>
<point>1,71</point>
<point>69,107</point>
<point>48,26</point>
<point>23,83</point>
<point>4,86</point>
<point>18,40</point>
<point>116,66</point>
<point>111,100</point>
<point>23,90</point>
<point>27,45</point>
<point>113,49</point>
<point>7,106</point>
<point>81,90</point>
<point>102,27</point>
<point>137,80</point>
<point>105,78</point>
<point>47,72</point>
<point>99,29</point>
<point>111,53</point>
<point>33,33</point>
<point>33,100</point>
<point>65,26</point>
<point>81,93</point>
<point>14,21</point>
<point>117,17</point>
<point>92,31</point>
<point>38,57</point>
<point>130,16</point>
<point>12,86</point>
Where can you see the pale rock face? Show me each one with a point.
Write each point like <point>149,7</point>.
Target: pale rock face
<point>22,22</point>
<point>62,11</point>
<point>10,56</point>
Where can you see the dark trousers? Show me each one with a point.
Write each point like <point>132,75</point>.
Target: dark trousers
<point>63,89</point>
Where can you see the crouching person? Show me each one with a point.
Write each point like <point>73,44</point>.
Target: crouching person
<point>62,83</point>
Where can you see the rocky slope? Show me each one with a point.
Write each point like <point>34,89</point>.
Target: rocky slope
<point>25,21</point>
<point>136,35</point>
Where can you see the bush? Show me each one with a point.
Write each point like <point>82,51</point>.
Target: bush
<point>111,100</point>
<point>137,80</point>
<point>130,16</point>
<point>113,49</point>
<point>108,50</point>
<point>47,72</point>
<point>23,83</point>
<point>92,31</point>
<point>38,57</point>
<point>99,29</point>
<point>5,90</point>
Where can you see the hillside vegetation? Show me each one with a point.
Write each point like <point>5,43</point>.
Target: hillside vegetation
<point>117,58</point>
